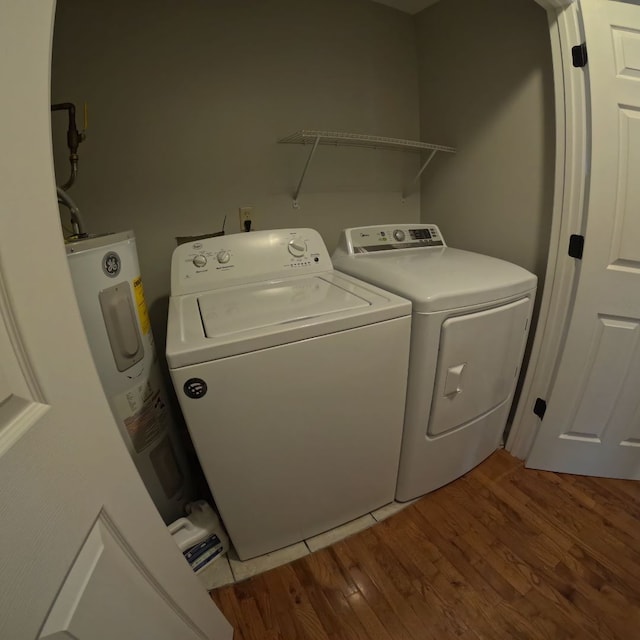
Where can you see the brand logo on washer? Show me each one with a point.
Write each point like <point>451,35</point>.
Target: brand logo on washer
<point>195,388</point>
<point>111,264</point>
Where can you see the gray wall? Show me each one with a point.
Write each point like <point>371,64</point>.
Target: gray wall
<point>187,99</point>
<point>186,102</point>
<point>486,87</point>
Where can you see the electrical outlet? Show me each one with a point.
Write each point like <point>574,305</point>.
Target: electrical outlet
<point>246,215</point>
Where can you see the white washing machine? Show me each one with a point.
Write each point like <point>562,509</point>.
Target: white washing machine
<point>292,380</point>
<point>470,323</point>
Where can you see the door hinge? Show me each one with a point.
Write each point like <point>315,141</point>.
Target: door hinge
<point>579,55</point>
<point>539,408</point>
<point>576,246</point>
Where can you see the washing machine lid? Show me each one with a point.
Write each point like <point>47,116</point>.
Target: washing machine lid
<point>260,306</point>
<point>436,279</point>
<point>225,322</point>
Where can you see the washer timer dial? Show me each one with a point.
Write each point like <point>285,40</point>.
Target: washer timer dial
<point>297,248</point>
<point>399,235</point>
<point>200,261</point>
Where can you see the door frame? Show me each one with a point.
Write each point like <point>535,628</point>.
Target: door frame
<point>569,217</point>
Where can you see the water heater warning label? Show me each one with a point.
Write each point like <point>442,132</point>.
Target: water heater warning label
<point>141,305</point>
<point>145,425</point>
<point>143,412</point>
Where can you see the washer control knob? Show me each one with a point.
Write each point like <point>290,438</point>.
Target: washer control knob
<point>297,247</point>
<point>200,261</point>
<point>223,257</point>
<point>399,235</point>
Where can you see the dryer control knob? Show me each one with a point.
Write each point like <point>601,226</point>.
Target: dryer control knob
<point>200,261</point>
<point>297,248</point>
<point>223,257</point>
<point>399,235</point>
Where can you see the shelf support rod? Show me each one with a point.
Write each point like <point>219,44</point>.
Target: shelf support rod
<point>422,168</point>
<point>296,205</point>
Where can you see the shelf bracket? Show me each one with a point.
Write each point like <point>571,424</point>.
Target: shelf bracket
<point>425,164</point>
<point>296,204</point>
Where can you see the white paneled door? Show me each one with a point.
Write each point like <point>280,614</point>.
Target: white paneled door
<point>592,422</point>
<point>84,554</point>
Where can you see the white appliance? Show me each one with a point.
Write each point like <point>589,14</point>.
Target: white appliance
<point>108,286</point>
<point>292,380</point>
<point>471,317</point>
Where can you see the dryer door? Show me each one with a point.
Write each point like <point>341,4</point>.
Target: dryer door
<point>478,364</point>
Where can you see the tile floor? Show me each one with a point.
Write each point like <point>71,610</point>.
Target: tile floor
<point>230,568</point>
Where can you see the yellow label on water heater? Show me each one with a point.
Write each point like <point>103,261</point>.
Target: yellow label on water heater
<point>141,305</point>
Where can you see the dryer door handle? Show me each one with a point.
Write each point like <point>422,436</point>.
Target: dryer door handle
<point>452,382</point>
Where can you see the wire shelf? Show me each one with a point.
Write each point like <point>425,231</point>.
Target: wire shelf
<point>340,138</point>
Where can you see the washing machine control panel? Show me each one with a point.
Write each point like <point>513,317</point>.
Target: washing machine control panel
<point>223,261</point>
<point>392,238</point>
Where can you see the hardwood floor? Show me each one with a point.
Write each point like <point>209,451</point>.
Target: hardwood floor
<point>504,552</point>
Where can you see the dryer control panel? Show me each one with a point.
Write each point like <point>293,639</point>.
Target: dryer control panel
<point>390,238</point>
<point>241,258</point>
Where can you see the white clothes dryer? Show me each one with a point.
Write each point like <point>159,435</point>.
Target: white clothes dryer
<point>471,316</point>
<point>292,380</point>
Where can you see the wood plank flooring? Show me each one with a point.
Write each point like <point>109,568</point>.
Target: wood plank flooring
<point>504,552</point>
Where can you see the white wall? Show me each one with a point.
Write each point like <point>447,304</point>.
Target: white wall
<point>486,87</point>
<point>186,102</point>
